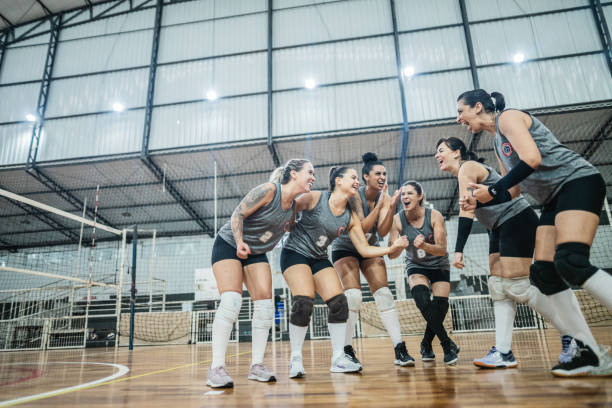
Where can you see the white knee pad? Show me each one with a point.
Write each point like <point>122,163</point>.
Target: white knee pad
<point>263,314</point>
<point>384,299</point>
<point>518,289</point>
<point>496,288</point>
<point>354,299</point>
<point>229,307</point>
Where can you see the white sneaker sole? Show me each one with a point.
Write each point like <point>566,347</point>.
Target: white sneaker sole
<point>452,362</point>
<point>482,364</point>
<point>404,363</point>
<point>213,385</point>
<point>577,372</point>
<point>299,374</point>
<point>345,370</point>
<point>254,377</point>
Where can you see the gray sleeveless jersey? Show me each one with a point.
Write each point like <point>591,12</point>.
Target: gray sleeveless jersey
<point>418,258</point>
<point>316,229</point>
<point>559,164</point>
<point>344,243</point>
<point>495,215</point>
<point>264,228</point>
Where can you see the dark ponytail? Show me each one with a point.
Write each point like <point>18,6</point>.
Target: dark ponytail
<point>471,98</point>
<point>369,160</point>
<point>454,143</point>
<point>335,172</point>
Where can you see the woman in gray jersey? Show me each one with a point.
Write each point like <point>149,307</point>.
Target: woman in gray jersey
<point>571,191</point>
<point>512,233</point>
<point>375,210</point>
<point>239,256</point>
<point>426,265</point>
<point>325,216</point>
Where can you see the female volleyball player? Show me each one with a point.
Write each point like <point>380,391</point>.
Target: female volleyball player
<point>572,193</point>
<point>375,210</point>
<point>512,234</point>
<point>326,215</point>
<point>239,255</point>
<point>427,266</point>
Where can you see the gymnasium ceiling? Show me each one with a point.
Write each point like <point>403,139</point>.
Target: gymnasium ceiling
<point>130,193</point>
<point>17,12</point>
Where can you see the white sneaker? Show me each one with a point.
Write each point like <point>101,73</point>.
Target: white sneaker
<point>260,372</point>
<point>344,364</point>
<point>296,368</point>
<point>219,378</point>
<point>604,368</point>
<point>496,359</point>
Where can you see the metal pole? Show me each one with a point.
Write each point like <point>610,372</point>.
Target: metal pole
<point>120,290</point>
<point>215,202</point>
<point>133,289</point>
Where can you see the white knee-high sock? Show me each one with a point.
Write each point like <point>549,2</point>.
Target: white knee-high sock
<point>391,322</point>
<point>545,306</point>
<point>504,310</point>
<point>263,318</point>
<point>569,312</point>
<point>223,323</point>
<point>600,286</point>
<point>297,334</point>
<point>337,333</point>
<point>354,299</point>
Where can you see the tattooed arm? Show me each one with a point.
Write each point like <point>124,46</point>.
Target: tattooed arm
<point>254,200</point>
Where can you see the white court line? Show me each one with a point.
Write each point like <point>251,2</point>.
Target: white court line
<point>122,371</point>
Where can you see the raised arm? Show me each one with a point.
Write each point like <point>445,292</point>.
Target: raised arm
<point>361,243</point>
<point>367,223</point>
<point>396,230</point>
<point>439,246</point>
<point>386,218</point>
<point>254,200</point>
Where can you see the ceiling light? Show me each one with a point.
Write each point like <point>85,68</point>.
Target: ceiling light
<point>518,57</point>
<point>211,95</point>
<point>30,117</point>
<point>118,107</point>
<point>310,83</point>
<point>408,71</point>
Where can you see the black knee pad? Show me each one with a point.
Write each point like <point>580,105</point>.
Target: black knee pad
<point>301,310</point>
<point>422,296</point>
<point>338,309</point>
<point>543,276</point>
<point>572,262</point>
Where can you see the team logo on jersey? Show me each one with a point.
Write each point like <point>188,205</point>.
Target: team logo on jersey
<point>507,149</point>
<point>341,230</point>
<point>287,226</point>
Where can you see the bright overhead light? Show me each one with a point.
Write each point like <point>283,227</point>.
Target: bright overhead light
<point>519,57</point>
<point>118,107</point>
<point>211,95</point>
<point>30,117</point>
<point>408,71</point>
<point>310,83</point>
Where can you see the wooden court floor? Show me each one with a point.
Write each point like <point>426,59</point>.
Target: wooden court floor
<point>174,376</point>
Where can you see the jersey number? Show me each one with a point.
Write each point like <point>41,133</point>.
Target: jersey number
<point>265,237</point>
<point>321,241</point>
<point>421,253</point>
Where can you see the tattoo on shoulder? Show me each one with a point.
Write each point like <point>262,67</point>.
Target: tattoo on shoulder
<point>255,196</point>
<point>355,204</point>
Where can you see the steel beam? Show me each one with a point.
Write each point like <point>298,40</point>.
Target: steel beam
<point>602,29</point>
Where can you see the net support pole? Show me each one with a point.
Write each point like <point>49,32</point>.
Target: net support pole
<point>215,200</point>
<point>120,290</point>
<point>133,289</point>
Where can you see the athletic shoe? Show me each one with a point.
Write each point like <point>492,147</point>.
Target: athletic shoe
<point>568,349</point>
<point>350,351</point>
<point>427,353</point>
<point>583,363</point>
<point>344,364</point>
<point>604,368</point>
<point>450,352</point>
<point>496,359</point>
<point>260,372</point>
<point>219,378</point>
<point>402,357</point>
<point>296,368</point>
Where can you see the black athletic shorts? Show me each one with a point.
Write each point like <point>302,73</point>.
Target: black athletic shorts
<point>516,236</point>
<point>434,275</point>
<point>222,250</point>
<point>289,258</point>
<point>584,193</point>
<point>337,255</point>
